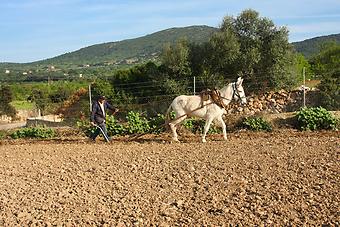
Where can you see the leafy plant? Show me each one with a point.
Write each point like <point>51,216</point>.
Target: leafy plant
<point>315,118</point>
<point>113,127</point>
<point>156,122</point>
<point>136,123</point>
<point>35,132</point>
<point>86,127</point>
<point>256,124</point>
<point>197,126</point>
<point>2,134</point>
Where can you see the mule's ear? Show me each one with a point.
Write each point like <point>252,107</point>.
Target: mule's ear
<point>239,81</point>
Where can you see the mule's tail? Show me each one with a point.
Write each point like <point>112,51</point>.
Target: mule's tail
<point>167,115</point>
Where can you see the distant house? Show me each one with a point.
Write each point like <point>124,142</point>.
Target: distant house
<point>7,71</point>
<point>24,73</point>
<point>131,60</point>
<point>51,68</point>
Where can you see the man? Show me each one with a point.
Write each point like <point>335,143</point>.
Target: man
<point>99,109</point>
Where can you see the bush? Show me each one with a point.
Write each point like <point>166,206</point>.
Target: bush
<point>36,132</point>
<point>113,127</point>
<point>136,123</point>
<point>2,135</point>
<point>86,127</point>
<point>197,126</point>
<point>256,124</point>
<point>315,118</point>
<point>156,122</point>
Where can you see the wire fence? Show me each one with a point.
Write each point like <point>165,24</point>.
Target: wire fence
<point>150,97</point>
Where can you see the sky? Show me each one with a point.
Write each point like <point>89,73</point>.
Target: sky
<point>32,30</point>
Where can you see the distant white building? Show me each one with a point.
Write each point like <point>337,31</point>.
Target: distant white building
<point>24,73</point>
<point>7,71</point>
<point>51,68</point>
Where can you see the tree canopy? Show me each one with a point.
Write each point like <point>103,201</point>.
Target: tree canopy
<point>253,47</point>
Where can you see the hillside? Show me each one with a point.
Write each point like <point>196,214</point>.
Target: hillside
<point>132,50</point>
<point>311,46</point>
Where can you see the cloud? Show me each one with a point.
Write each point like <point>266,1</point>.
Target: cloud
<point>31,4</point>
<point>321,27</point>
<point>300,32</point>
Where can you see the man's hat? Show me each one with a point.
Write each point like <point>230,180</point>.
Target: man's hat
<point>101,97</point>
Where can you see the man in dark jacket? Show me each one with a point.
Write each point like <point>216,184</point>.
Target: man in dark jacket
<point>98,114</point>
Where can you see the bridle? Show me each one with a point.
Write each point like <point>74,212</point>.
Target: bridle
<point>235,93</point>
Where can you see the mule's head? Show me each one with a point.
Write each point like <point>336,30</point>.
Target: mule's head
<point>239,91</point>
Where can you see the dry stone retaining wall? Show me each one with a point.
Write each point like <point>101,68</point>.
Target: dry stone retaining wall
<point>275,102</point>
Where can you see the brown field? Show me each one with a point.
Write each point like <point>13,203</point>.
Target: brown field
<point>280,178</point>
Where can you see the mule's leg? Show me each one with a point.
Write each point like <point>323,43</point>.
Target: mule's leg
<point>173,127</point>
<point>206,129</point>
<point>222,125</point>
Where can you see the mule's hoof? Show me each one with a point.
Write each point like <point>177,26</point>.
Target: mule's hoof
<point>175,140</point>
<point>225,138</point>
<point>204,140</point>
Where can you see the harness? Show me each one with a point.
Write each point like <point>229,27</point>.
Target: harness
<point>217,98</point>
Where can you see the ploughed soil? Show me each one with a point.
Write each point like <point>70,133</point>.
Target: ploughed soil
<point>281,178</point>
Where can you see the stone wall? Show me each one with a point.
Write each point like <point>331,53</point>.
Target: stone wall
<point>275,102</point>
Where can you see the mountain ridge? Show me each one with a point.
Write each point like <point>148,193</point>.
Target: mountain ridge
<point>143,48</point>
<point>309,47</point>
<point>148,47</point>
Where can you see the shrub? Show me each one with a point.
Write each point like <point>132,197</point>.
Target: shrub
<point>315,118</point>
<point>2,135</point>
<point>113,127</point>
<point>136,123</point>
<point>256,124</point>
<point>86,127</point>
<point>197,126</point>
<point>156,122</point>
<point>35,132</point>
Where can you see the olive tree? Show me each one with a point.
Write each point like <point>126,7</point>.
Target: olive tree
<point>253,47</point>
<point>6,97</point>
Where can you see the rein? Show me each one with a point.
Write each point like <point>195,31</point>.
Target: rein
<point>235,93</point>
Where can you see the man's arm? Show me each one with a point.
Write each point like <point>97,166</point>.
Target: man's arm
<point>112,108</point>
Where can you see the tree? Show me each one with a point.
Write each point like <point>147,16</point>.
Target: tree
<point>302,62</point>
<point>326,65</point>
<point>327,61</point>
<point>175,68</point>
<point>253,47</point>
<point>6,97</point>
<point>176,59</point>
<point>40,99</point>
